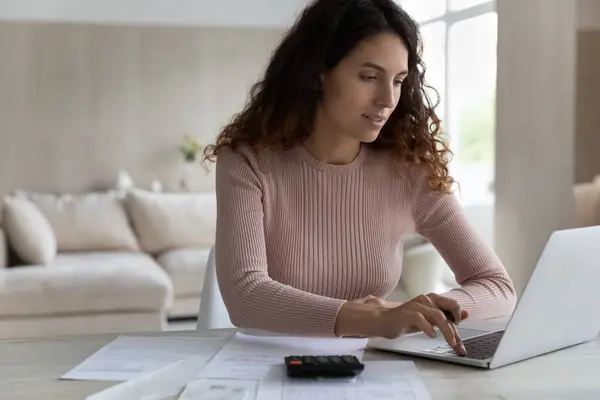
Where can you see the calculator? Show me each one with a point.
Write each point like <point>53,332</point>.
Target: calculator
<point>323,366</point>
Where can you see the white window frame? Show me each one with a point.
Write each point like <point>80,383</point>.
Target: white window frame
<point>451,17</point>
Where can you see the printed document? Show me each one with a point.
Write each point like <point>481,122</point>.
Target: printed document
<point>381,380</point>
<point>220,389</point>
<point>129,357</point>
<point>165,383</point>
<point>251,368</point>
<point>262,357</point>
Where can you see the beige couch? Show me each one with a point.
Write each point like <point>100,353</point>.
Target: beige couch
<point>101,262</point>
<point>111,262</point>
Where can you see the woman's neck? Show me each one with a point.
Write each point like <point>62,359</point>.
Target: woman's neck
<point>328,145</point>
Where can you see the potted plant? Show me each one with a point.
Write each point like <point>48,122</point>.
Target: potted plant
<point>192,180</point>
<point>190,149</point>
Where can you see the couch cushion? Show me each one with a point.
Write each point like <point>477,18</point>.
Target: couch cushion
<point>95,221</point>
<point>167,221</point>
<point>28,231</point>
<point>186,268</point>
<point>85,283</point>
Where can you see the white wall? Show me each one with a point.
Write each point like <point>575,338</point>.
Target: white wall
<point>239,13</point>
<point>535,133</point>
<point>589,14</point>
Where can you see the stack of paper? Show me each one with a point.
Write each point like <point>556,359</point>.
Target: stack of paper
<point>252,368</point>
<point>165,383</point>
<point>380,380</point>
<point>129,357</point>
<point>258,357</point>
<point>227,389</point>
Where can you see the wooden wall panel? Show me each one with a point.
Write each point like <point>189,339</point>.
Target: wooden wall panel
<point>80,101</point>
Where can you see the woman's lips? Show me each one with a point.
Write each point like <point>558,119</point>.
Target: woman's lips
<point>375,119</point>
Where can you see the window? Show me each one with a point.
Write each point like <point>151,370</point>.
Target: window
<point>459,50</point>
<point>471,99</point>
<point>422,10</point>
<point>434,56</point>
<point>455,5</point>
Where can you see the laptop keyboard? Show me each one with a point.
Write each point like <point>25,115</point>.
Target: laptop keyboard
<point>478,348</point>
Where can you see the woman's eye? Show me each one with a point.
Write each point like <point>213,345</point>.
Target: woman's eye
<point>397,83</point>
<point>369,78</point>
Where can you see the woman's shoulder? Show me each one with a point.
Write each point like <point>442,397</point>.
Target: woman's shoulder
<point>245,156</point>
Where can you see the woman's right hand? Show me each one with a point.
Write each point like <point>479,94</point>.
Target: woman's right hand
<point>417,315</point>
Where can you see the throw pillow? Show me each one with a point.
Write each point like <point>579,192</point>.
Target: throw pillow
<point>165,221</point>
<point>95,221</point>
<point>28,231</point>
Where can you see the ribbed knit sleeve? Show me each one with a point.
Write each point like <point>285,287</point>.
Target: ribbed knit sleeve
<point>486,289</point>
<point>253,299</point>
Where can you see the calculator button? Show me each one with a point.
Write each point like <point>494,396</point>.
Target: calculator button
<point>322,360</point>
<point>349,359</point>
<point>335,359</point>
<point>309,360</point>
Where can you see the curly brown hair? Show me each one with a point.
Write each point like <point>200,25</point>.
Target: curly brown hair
<point>280,111</point>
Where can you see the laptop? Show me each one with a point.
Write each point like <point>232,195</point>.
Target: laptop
<point>558,309</point>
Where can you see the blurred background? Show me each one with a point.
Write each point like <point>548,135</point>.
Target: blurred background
<point>108,216</point>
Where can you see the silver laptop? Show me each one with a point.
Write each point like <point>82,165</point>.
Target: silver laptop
<point>558,309</point>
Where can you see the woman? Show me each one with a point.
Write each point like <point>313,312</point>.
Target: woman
<point>336,157</point>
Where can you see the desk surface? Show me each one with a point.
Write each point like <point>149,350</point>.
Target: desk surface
<point>29,369</point>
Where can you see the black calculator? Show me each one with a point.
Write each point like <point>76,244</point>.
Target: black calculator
<point>325,366</point>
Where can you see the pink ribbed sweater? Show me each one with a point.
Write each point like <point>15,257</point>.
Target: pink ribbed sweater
<point>297,237</point>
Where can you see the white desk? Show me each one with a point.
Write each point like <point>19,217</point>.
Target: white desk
<point>29,369</point>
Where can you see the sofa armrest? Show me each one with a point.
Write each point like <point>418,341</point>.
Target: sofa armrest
<point>3,250</point>
<point>587,203</point>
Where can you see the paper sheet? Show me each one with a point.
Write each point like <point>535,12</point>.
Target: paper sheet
<point>129,357</point>
<point>220,389</point>
<point>165,383</point>
<point>260,357</point>
<point>183,380</point>
<point>381,380</point>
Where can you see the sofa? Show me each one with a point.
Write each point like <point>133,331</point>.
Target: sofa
<point>101,262</point>
<point>113,261</point>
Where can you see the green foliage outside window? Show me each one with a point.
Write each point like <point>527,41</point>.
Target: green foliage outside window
<point>477,131</point>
